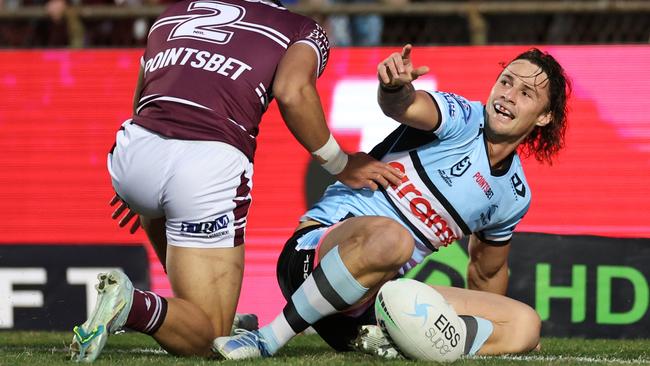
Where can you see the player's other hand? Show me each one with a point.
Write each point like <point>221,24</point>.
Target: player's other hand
<point>364,171</point>
<point>130,215</point>
<point>397,69</point>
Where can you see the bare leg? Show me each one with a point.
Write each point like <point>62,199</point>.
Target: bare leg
<point>373,248</point>
<point>206,285</point>
<point>155,229</point>
<point>357,256</point>
<point>516,325</point>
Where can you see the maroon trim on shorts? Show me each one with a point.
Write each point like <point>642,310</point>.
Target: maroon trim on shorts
<point>242,203</point>
<point>115,143</point>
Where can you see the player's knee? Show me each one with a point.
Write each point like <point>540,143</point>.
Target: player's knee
<point>388,245</point>
<point>527,328</point>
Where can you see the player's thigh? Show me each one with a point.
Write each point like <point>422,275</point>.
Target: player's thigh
<point>207,195</point>
<point>516,325</point>
<point>359,237</point>
<point>372,248</point>
<point>206,202</point>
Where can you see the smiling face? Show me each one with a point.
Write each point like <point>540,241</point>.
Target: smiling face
<point>518,102</point>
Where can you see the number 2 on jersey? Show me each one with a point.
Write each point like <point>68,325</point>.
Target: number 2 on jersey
<point>205,27</point>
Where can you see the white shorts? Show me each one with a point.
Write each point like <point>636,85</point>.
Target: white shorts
<point>202,188</point>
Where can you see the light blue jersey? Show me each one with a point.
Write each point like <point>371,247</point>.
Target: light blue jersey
<point>449,189</point>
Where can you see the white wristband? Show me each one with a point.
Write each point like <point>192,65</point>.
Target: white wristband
<point>335,158</point>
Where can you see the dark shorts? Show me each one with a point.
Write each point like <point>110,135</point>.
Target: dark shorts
<point>294,266</point>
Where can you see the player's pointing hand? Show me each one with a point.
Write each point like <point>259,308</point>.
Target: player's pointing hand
<point>398,70</point>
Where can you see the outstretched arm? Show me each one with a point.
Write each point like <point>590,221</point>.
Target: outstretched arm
<point>398,98</point>
<point>295,91</point>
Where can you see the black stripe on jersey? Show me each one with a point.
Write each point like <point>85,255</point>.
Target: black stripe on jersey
<point>328,292</point>
<point>506,163</point>
<point>412,138</point>
<point>381,149</point>
<point>417,231</point>
<point>427,181</point>
<point>403,138</point>
<point>494,243</point>
<point>297,323</point>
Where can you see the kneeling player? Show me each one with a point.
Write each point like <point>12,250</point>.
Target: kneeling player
<point>462,176</point>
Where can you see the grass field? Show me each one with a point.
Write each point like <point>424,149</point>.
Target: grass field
<point>50,348</point>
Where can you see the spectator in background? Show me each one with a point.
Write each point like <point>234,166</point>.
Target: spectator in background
<point>358,30</point>
<point>61,28</point>
<point>110,31</point>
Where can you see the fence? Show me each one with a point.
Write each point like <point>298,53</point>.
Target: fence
<point>421,23</point>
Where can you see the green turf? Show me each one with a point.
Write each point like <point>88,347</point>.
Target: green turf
<point>49,348</point>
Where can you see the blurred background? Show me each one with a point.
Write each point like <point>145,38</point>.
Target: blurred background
<point>124,23</point>
<point>580,257</point>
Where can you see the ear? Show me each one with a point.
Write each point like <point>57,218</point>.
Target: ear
<point>543,119</point>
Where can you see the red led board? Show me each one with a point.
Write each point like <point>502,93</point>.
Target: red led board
<point>59,111</point>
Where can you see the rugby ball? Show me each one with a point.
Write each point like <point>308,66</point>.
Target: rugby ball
<point>419,322</point>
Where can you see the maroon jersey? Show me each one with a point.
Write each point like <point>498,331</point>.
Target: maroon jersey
<point>209,68</point>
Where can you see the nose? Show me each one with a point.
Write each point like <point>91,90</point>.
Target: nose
<point>507,95</point>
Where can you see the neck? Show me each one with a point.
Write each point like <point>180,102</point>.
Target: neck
<point>498,149</point>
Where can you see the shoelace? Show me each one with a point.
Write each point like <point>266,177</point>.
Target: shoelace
<point>250,338</point>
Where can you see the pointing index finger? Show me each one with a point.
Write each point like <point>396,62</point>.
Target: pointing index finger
<point>406,51</point>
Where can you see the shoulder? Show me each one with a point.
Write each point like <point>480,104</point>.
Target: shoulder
<point>459,117</point>
<point>309,32</point>
<point>518,185</point>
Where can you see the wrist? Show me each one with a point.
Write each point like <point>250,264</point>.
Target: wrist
<point>331,157</point>
<point>390,88</point>
<point>395,102</point>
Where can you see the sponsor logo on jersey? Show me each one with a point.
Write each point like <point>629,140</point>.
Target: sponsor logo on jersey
<point>452,100</point>
<point>484,185</point>
<point>421,208</point>
<point>518,185</point>
<point>319,37</point>
<point>451,104</point>
<point>487,215</point>
<point>214,228</point>
<point>212,62</point>
<point>445,177</point>
<point>460,167</point>
<point>306,267</point>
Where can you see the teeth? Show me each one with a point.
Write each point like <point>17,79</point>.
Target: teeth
<point>503,110</point>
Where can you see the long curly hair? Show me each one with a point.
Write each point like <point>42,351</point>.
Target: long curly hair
<point>544,142</point>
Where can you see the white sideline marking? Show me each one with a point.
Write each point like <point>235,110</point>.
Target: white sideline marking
<point>154,351</point>
<point>526,358</point>
<point>566,358</point>
<point>636,361</point>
